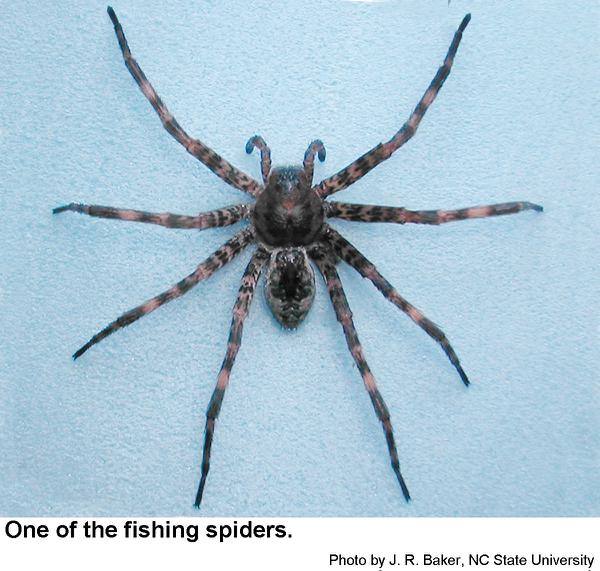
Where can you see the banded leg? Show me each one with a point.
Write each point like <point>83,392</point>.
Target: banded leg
<point>361,166</point>
<point>325,262</point>
<point>316,147</point>
<point>204,154</point>
<point>265,154</point>
<point>397,215</point>
<point>240,311</point>
<point>365,268</point>
<point>212,219</point>
<point>214,262</point>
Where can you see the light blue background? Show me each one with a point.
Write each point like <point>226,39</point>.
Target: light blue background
<point>120,431</point>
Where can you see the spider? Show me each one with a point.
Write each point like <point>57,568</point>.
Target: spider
<point>288,223</point>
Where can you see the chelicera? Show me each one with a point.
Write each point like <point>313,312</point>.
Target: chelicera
<point>288,225</point>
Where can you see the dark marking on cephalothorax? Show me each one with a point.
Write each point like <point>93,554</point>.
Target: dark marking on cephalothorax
<point>288,212</point>
<point>290,286</point>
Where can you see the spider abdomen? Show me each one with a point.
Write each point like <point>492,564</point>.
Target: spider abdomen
<point>288,212</point>
<point>290,286</point>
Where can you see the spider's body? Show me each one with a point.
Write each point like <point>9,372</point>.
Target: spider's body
<point>288,223</point>
<point>289,216</point>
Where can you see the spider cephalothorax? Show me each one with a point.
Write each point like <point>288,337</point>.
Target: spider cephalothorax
<point>288,225</point>
<point>288,212</point>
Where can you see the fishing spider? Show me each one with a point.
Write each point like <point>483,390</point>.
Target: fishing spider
<point>288,222</point>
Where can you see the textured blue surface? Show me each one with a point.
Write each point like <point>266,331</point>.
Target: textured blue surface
<point>120,431</point>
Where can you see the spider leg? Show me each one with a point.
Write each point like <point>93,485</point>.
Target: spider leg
<point>212,219</point>
<point>214,262</point>
<point>204,154</point>
<point>316,147</point>
<point>361,166</point>
<point>326,264</point>
<point>240,311</point>
<point>397,215</point>
<point>265,154</point>
<point>365,268</point>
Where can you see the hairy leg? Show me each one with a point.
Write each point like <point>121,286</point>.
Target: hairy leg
<point>212,219</point>
<point>325,261</point>
<point>397,215</point>
<point>359,168</point>
<point>240,311</point>
<point>354,258</point>
<point>265,154</point>
<point>214,262</point>
<point>204,154</point>
<point>316,147</point>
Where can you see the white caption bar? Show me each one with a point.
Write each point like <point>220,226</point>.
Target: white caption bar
<point>302,543</point>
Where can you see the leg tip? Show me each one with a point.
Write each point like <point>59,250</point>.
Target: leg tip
<point>405,492</point>
<point>60,209</point>
<point>464,23</point>
<point>200,492</point>
<point>79,352</point>
<point>536,207</point>
<point>322,154</point>
<point>250,145</point>
<point>404,488</point>
<point>112,15</point>
<point>463,376</point>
